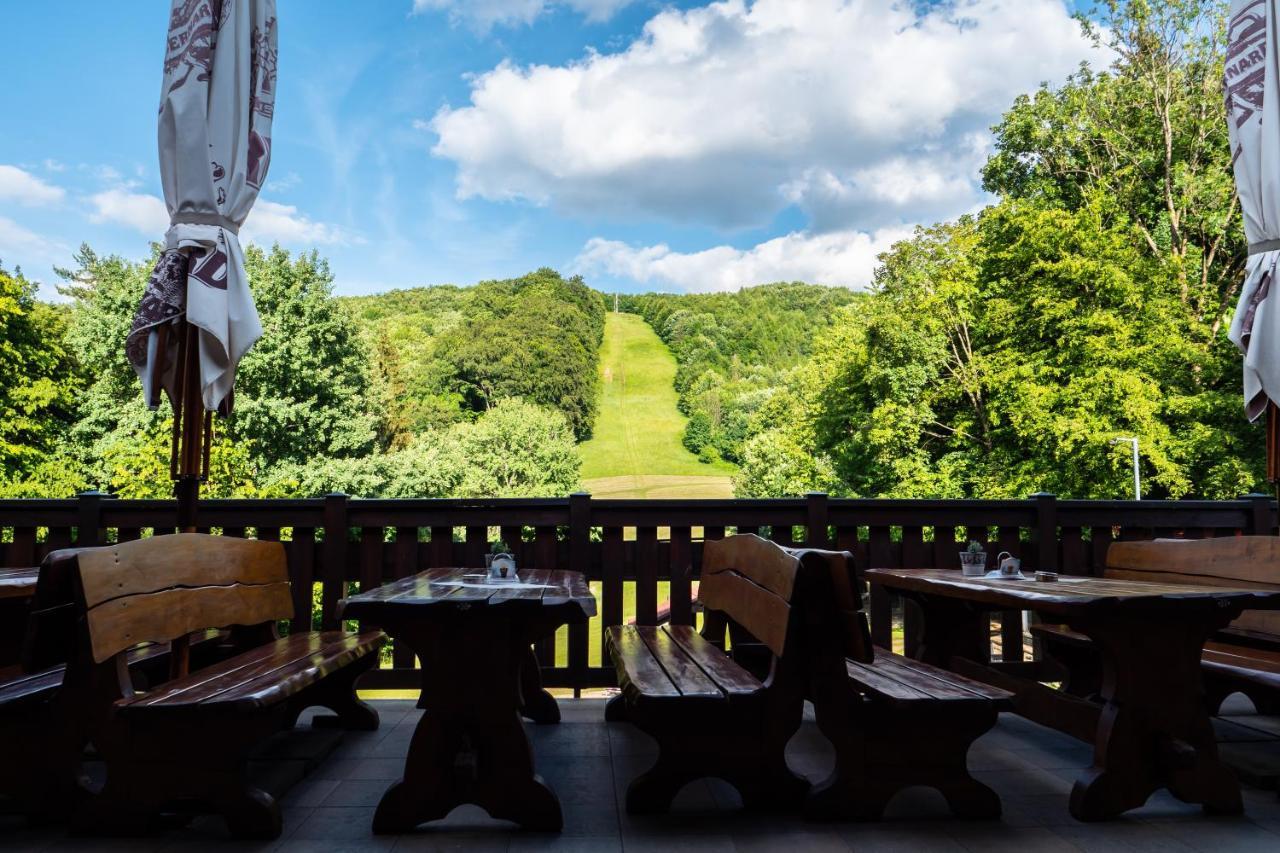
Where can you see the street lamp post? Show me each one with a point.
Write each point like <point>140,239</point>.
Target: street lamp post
<point>1137,480</point>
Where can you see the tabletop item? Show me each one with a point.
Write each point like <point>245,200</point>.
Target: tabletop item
<point>1010,566</point>
<point>500,562</point>
<point>1047,577</point>
<point>478,675</point>
<point>1152,729</point>
<point>973,560</point>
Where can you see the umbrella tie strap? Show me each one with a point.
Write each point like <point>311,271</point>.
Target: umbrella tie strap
<point>1264,246</point>
<point>216,219</point>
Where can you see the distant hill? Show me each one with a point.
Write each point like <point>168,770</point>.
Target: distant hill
<point>735,350</point>
<point>444,354</point>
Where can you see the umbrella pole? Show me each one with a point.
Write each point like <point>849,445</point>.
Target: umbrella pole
<point>192,430</point>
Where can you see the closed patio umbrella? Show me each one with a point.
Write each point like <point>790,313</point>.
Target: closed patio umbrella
<point>197,318</point>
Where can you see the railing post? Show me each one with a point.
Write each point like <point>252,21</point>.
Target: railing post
<point>815,533</point>
<point>580,532</point>
<point>579,561</point>
<point>89,518</point>
<point>1046,531</point>
<point>1262,520</point>
<point>334,572</point>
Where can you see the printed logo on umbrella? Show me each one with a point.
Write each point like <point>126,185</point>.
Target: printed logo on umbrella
<point>210,269</point>
<point>1245,70</point>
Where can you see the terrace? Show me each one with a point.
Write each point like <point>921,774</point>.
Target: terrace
<point>643,559</point>
<point>589,763</point>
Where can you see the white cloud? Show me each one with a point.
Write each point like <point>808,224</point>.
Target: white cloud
<point>36,254</point>
<point>485,14</point>
<point>845,258</point>
<point>143,213</point>
<point>24,188</point>
<point>289,181</point>
<point>864,113</point>
<point>271,222</point>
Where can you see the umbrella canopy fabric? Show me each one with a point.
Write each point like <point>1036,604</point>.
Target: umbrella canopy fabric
<point>216,109</point>
<point>1253,122</point>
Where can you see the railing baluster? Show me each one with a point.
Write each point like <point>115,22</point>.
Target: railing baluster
<point>334,572</point>
<point>404,564</point>
<point>881,608</point>
<point>302,557</point>
<point>646,575</point>
<point>681,569</point>
<point>611,572</point>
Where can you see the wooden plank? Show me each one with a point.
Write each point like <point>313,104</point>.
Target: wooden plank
<point>441,547</point>
<point>681,571</point>
<point>611,572</point>
<point>22,552</point>
<point>935,682</point>
<point>302,556</point>
<point>686,675</point>
<point>158,617</point>
<point>638,673</point>
<point>255,676</point>
<point>1065,594</point>
<point>404,562</point>
<point>477,545</point>
<point>727,675</point>
<point>647,575</point>
<point>371,540</point>
<point>765,563</point>
<point>183,559</point>
<point>755,608</point>
<point>945,548</point>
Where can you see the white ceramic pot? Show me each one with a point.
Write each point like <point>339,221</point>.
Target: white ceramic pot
<point>973,565</point>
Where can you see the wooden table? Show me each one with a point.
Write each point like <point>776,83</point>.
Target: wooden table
<point>472,639</point>
<point>17,586</point>
<point>18,583</point>
<point>1153,728</point>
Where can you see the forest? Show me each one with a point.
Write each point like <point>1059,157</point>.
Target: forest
<point>361,396</point>
<point>996,355</point>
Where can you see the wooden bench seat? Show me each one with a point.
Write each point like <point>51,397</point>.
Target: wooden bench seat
<point>1244,658</point>
<point>669,666</point>
<point>712,715</point>
<point>183,744</point>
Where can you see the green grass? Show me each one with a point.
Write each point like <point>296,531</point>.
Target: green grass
<point>636,449</point>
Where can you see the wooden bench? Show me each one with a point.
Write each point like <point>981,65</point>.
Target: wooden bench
<point>184,745</point>
<point>898,723</point>
<point>46,724</point>
<point>1244,658</point>
<point>710,713</point>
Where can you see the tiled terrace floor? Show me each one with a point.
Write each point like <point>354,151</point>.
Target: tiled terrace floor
<point>589,763</point>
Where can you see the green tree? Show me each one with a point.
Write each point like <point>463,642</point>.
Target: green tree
<point>38,378</point>
<point>775,465</point>
<point>518,449</point>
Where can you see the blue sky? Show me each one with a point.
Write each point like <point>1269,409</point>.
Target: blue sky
<point>667,146</point>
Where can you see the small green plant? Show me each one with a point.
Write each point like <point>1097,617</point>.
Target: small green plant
<point>500,547</point>
<point>975,547</point>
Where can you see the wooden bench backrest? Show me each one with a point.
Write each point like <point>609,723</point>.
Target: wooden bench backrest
<point>1249,562</point>
<point>849,621</point>
<point>750,580</point>
<point>167,587</point>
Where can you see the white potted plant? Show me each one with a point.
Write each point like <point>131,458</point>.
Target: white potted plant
<point>973,560</point>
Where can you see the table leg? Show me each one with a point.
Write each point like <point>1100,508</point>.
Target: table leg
<point>536,703</point>
<point>1154,730</point>
<point>952,629</point>
<point>470,745</point>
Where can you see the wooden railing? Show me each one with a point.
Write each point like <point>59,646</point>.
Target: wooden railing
<point>650,549</point>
